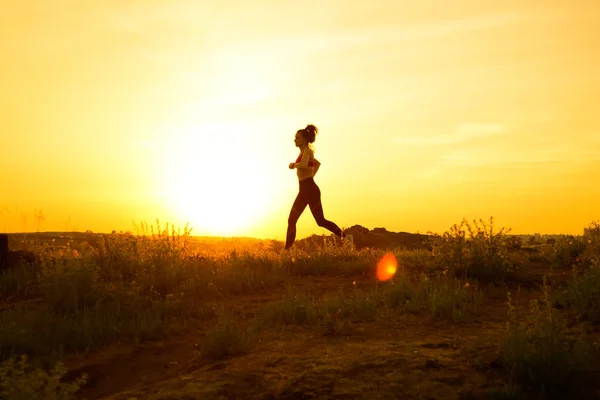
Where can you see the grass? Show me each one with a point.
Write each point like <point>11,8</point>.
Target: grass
<point>442,297</point>
<point>132,288</point>
<point>294,309</point>
<point>546,355</point>
<point>19,283</point>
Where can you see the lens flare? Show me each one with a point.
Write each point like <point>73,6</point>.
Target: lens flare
<point>386,267</point>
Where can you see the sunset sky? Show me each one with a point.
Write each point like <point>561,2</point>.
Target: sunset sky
<point>116,111</point>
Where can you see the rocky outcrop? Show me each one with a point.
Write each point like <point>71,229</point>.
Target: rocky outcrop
<point>379,238</point>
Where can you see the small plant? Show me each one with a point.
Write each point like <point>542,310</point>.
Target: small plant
<point>333,323</point>
<point>225,340</point>
<point>20,381</point>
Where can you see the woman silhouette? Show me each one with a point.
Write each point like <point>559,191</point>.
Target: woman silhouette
<point>309,194</point>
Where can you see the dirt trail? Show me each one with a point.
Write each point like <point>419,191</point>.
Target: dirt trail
<point>404,356</point>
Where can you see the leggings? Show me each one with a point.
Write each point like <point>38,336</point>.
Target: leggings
<point>310,195</point>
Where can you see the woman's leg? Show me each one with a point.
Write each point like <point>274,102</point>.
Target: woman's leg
<point>297,209</point>
<point>316,207</point>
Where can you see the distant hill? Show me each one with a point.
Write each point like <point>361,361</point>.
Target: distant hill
<point>379,238</point>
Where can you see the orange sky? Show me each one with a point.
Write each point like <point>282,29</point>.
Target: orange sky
<point>119,111</point>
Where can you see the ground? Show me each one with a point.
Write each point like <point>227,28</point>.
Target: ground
<point>397,356</point>
<point>311,324</point>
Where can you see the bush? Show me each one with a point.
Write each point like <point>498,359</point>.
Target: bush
<point>474,251</point>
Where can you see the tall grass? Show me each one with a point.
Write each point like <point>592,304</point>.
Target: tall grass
<point>122,287</point>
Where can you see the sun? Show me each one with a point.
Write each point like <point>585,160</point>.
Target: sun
<point>222,204</point>
<point>214,182</point>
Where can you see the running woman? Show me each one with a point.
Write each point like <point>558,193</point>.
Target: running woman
<point>310,194</point>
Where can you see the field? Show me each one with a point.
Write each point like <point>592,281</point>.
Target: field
<point>163,315</point>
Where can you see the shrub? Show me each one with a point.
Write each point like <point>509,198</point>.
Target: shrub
<point>474,251</point>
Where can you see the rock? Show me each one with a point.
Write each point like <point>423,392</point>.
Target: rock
<point>378,238</point>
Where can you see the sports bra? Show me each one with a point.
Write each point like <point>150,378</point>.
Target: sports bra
<point>310,162</point>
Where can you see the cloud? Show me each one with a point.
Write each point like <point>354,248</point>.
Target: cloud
<point>463,132</point>
<point>564,156</point>
<point>345,38</point>
<point>473,130</point>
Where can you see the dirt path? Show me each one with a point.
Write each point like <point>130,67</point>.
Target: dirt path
<point>404,358</point>
<point>398,356</point>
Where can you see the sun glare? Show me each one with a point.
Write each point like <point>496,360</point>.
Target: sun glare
<point>214,181</point>
<point>387,267</point>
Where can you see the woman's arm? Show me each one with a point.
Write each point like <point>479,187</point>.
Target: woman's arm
<point>316,167</point>
<point>305,159</point>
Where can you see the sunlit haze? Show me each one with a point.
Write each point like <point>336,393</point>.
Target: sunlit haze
<point>118,111</point>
